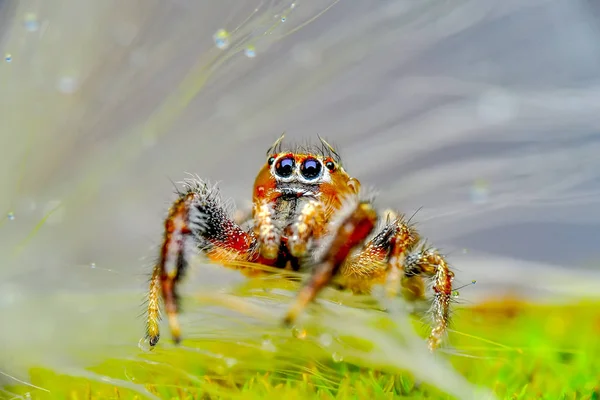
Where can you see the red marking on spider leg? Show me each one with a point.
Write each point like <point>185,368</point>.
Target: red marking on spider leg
<point>233,238</point>
<point>350,234</point>
<point>170,268</point>
<point>171,308</point>
<point>175,231</point>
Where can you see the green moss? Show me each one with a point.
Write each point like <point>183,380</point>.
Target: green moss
<point>519,351</point>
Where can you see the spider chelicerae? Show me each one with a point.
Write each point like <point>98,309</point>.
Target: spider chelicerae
<point>308,214</point>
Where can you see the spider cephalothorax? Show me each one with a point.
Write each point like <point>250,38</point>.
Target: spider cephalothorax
<point>307,214</point>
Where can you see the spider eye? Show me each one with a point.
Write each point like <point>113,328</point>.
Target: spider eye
<point>285,167</point>
<point>330,165</point>
<point>310,168</point>
<point>271,160</point>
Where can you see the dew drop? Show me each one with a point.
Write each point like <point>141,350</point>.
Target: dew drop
<point>293,5</point>
<point>250,51</point>
<point>221,39</point>
<point>268,345</point>
<point>144,345</point>
<point>27,395</point>
<point>230,362</point>
<point>473,282</point>
<point>337,357</point>
<point>479,192</point>
<point>67,84</point>
<point>326,339</point>
<point>31,22</point>
<point>299,333</point>
<point>283,19</point>
<point>92,265</point>
<point>455,293</point>
<point>10,216</point>
<point>8,57</point>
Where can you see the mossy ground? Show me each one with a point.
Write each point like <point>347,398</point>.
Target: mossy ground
<point>518,350</point>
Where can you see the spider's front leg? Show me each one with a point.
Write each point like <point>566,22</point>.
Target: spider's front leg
<point>392,256</point>
<point>351,232</point>
<point>197,221</point>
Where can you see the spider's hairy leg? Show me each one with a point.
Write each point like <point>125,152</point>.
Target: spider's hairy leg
<point>382,257</point>
<point>392,257</point>
<point>153,316</point>
<point>351,232</point>
<point>430,263</point>
<point>196,221</point>
<point>308,224</point>
<point>404,240</point>
<point>265,230</point>
<point>168,270</point>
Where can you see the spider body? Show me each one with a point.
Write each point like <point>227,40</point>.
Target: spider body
<point>295,195</point>
<point>307,214</point>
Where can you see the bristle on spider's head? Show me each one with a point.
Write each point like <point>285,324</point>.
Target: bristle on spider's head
<point>276,146</point>
<point>323,148</point>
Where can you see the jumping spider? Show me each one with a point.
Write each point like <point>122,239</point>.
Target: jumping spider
<point>307,213</point>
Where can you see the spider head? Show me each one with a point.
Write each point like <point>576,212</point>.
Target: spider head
<point>304,171</point>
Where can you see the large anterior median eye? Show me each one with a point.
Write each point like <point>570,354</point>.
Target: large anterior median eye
<point>311,168</point>
<point>284,167</point>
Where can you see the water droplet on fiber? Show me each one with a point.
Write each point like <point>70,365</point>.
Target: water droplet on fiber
<point>479,192</point>
<point>8,57</point>
<point>337,357</point>
<point>230,362</point>
<point>10,216</point>
<point>92,265</point>
<point>268,345</point>
<point>299,333</point>
<point>250,52</point>
<point>144,345</point>
<point>67,84</point>
<point>31,22</point>
<point>326,339</point>
<point>221,39</point>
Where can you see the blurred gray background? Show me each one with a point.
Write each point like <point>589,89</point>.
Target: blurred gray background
<point>486,114</point>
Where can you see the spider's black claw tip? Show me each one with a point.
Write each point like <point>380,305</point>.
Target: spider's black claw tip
<point>153,340</point>
<point>288,321</point>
